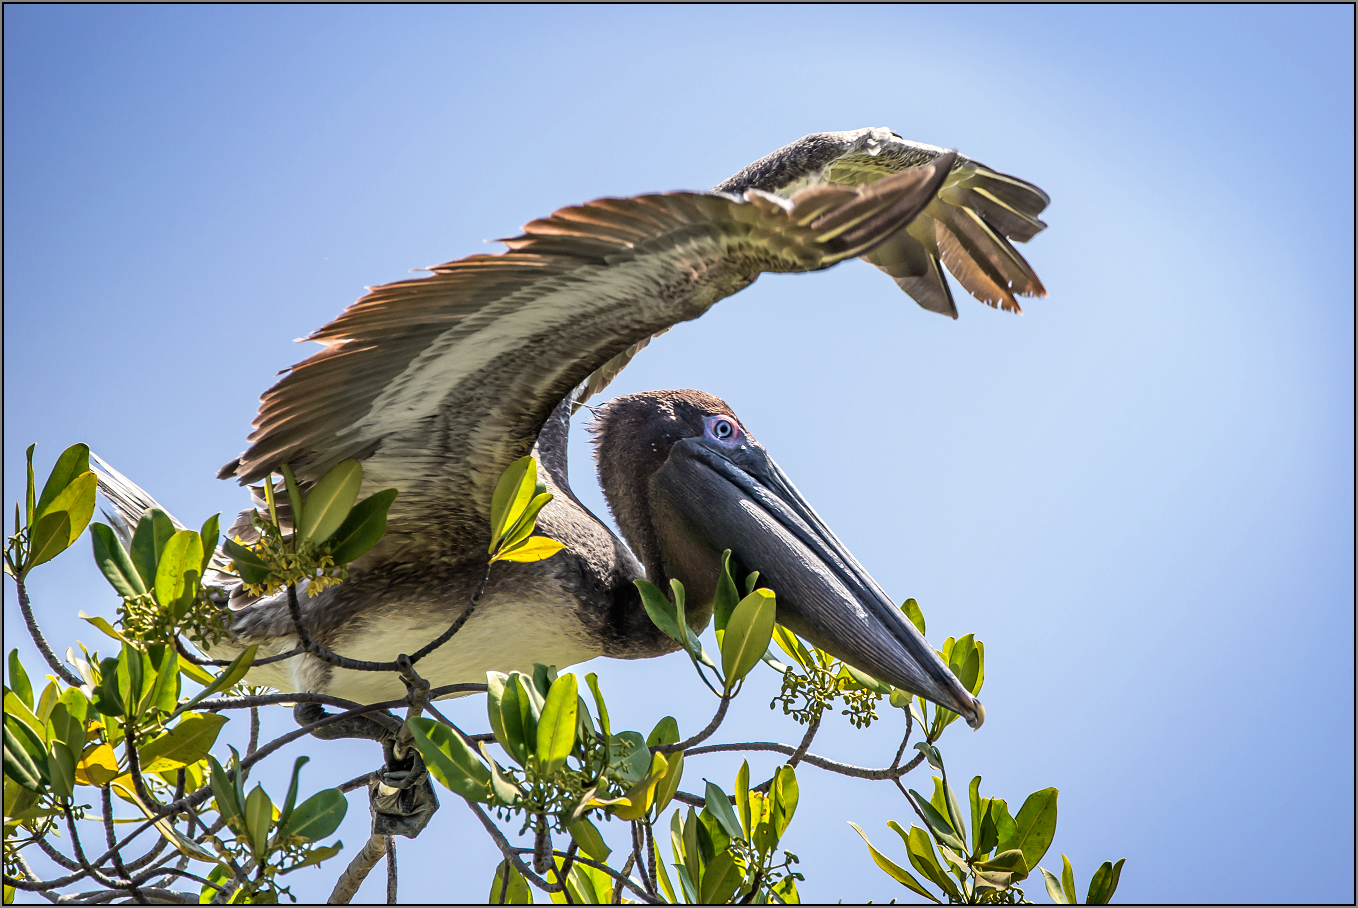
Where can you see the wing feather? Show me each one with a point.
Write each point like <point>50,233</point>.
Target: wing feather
<point>437,383</point>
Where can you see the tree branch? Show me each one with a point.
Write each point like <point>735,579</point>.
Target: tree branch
<point>35,632</point>
<point>844,769</point>
<point>702,735</point>
<point>357,871</point>
<point>457,623</point>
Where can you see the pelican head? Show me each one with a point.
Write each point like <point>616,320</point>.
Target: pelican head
<point>685,481</point>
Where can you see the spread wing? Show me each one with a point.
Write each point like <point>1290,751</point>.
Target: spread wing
<point>966,229</point>
<point>436,384</point>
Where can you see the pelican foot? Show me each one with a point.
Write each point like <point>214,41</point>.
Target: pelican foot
<point>401,798</point>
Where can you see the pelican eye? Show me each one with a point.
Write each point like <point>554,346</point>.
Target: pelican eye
<point>722,429</point>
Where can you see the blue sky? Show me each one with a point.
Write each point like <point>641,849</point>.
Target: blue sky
<point>1139,494</point>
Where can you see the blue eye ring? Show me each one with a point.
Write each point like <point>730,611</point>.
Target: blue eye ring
<point>722,429</point>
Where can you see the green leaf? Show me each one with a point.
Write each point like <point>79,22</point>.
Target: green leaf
<point>48,539</point>
<point>556,730</point>
<point>660,610</point>
<point>534,548</point>
<point>666,731</point>
<point>507,718</point>
<point>1053,887</point>
<point>1005,827</point>
<point>743,796</point>
<point>587,836</point>
<point>114,562</point>
<point>318,816</point>
<point>514,891</point>
<point>945,801</point>
<point>977,811</point>
<point>107,699</point>
<point>18,679</point>
<point>208,536</point>
<point>30,501</point>
<point>726,596</point>
<point>512,494</point>
<point>153,530</point>
<point>747,636</point>
<point>593,681</point>
<point>912,611</point>
<point>720,805</point>
<point>527,521</point>
<point>19,763</point>
<point>178,571</point>
<point>721,879</point>
<point>1068,880</point>
<point>1104,882</point>
<point>661,872</point>
<point>61,762</point>
<point>866,681</point>
<point>250,567</point>
<point>921,852</point>
<point>501,785</point>
<point>62,726</point>
<point>164,692</point>
<point>630,756</point>
<point>295,499</point>
<point>894,870</point>
<point>751,579</point>
<point>185,744</point>
<point>73,463</point>
<point>363,528</point>
<point>224,791</point>
<point>316,856</point>
<point>1005,868</point>
<point>450,760</point>
<point>1034,826</point>
<point>789,643</point>
<point>530,708</point>
<point>938,824</point>
<point>233,673</point>
<point>258,819</point>
<point>291,800</point>
<point>330,501</point>
<point>669,783</point>
<point>131,676</point>
<point>786,794</point>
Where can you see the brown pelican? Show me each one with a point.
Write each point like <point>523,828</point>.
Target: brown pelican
<point>437,384</point>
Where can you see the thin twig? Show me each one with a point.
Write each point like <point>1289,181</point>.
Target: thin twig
<point>589,863</point>
<point>800,752</point>
<point>35,632</point>
<point>457,622</point>
<point>106,795</point>
<point>844,769</point>
<point>223,663</point>
<point>702,735</point>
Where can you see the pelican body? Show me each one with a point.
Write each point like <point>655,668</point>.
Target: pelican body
<point>437,384</point>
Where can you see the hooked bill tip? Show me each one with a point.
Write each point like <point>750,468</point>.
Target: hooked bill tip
<point>979,719</point>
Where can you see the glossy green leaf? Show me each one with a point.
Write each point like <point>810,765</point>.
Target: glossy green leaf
<point>318,816</point>
<point>661,872</point>
<point>720,880</point>
<point>48,539</point>
<point>1005,827</point>
<point>1068,880</point>
<point>508,717</point>
<point>178,571</point>
<point>556,730</point>
<point>751,580</point>
<point>229,676</point>
<point>63,726</point>
<point>938,824</point>
<point>224,792</point>
<point>186,743</point>
<point>73,463</point>
<point>258,819</point>
<point>743,796</point>
<point>631,756</point>
<point>748,633</point>
<point>593,681</point>
<point>20,764</point>
<point>132,676</point>
<point>61,761</point>
<point>330,501</point>
<point>363,528</point>
<point>660,610</point>
<point>1104,882</point>
<point>114,562</point>
<point>669,783</point>
<point>1053,885</point>
<point>534,548</point>
<point>726,597</point>
<point>1005,868</point>
<point>530,708</point>
<point>208,536</point>
<point>285,812</point>
<point>513,492</point>
<point>587,836</point>
<point>164,691</point>
<point>509,887</point>
<point>720,805</point>
<point>316,856</point>
<point>1034,826</point>
<point>921,852</point>
<point>107,699</point>
<point>527,521</point>
<point>295,500</point>
<point>30,498</point>
<point>866,681</point>
<point>450,760</point>
<point>894,870</point>
<point>786,794</point>
<point>912,611</point>
<point>153,530</point>
<point>18,679</point>
<point>977,810</point>
<point>250,567</point>
<point>666,731</point>
<point>789,643</point>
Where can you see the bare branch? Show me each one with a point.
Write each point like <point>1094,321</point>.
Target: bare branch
<point>391,870</point>
<point>844,769</point>
<point>457,623</point>
<point>702,735</point>
<point>357,871</point>
<point>35,632</point>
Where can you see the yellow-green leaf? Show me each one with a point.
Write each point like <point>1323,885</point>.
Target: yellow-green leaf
<point>512,494</point>
<point>747,636</point>
<point>330,501</point>
<point>188,742</point>
<point>556,728</point>
<point>98,766</point>
<point>894,870</point>
<point>534,548</point>
<point>178,571</point>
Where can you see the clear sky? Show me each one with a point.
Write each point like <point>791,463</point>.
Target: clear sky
<point>1139,494</point>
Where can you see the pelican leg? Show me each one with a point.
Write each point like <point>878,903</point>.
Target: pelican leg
<point>401,798</point>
